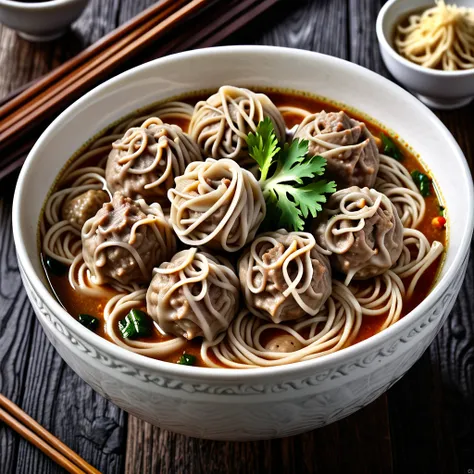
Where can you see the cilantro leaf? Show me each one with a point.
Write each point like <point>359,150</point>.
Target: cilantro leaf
<point>294,165</point>
<point>263,145</point>
<point>311,197</point>
<point>390,148</point>
<point>292,192</point>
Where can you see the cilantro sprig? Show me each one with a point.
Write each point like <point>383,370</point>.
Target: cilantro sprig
<point>288,177</point>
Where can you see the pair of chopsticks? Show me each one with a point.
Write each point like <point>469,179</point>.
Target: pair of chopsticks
<point>169,26</point>
<point>18,420</point>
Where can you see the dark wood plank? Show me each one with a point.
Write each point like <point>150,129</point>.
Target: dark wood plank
<point>16,317</point>
<point>304,24</point>
<point>336,448</point>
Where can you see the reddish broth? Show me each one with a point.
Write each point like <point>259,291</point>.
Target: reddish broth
<point>76,303</point>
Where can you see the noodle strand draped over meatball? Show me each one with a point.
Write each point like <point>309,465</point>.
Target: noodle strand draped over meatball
<point>216,204</point>
<point>348,146</point>
<point>283,276</point>
<point>220,124</point>
<point>145,161</point>
<point>362,229</point>
<point>125,240</point>
<point>195,294</point>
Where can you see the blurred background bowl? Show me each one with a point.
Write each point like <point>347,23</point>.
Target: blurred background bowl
<point>40,21</point>
<point>437,89</point>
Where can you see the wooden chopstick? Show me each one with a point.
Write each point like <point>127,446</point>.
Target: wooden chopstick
<point>221,22</point>
<point>96,66</point>
<point>23,424</point>
<point>22,95</point>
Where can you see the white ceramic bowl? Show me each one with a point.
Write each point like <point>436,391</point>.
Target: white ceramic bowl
<point>40,21</point>
<point>256,403</point>
<point>437,89</point>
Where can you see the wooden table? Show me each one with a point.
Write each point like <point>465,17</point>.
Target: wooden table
<point>424,424</point>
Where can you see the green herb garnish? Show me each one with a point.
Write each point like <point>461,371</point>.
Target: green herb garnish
<point>422,181</point>
<point>390,148</point>
<point>291,191</point>
<point>136,324</point>
<point>441,211</point>
<point>88,321</point>
<point>55,267</point>
<point>187,359</point>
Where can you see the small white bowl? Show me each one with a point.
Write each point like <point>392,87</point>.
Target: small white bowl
<point>40,21</point>
<point>437,89</point>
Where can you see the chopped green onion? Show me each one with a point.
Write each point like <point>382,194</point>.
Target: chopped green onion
<point>136,324</point>
<point>390,148</point>
<point>187,359</point>
<point>423,182</point>
<point>55,267</point>
<point>88,321</point>
<point>441,210</point>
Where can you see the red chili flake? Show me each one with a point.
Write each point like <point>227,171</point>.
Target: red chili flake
<point>438,222</point>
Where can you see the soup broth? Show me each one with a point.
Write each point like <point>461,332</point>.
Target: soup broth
<point>293,108</point>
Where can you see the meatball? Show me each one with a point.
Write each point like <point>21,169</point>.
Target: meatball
<point>220,124</point>
<point>124,241</point>
<point>348,146</point>
<point>216,204</point>
<point>145,161</point>
<point>195,294</point>
<point>81,208</point>
<point>283,276</point>
<point>362,229</point>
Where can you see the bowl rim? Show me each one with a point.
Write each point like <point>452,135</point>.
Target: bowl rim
<point>385,44</point>
<point>38,5</point>
<point>216,375</point>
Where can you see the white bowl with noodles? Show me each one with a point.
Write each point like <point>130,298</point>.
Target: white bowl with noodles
<point>438,89</point>
<point>259,403</point>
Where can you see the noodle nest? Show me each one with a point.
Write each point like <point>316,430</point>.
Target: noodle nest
<point>362,230</point>
<point>216,204</point>
<point>195,294</point>
<point>125,240</point>
<point>145,161</point>
<point>283,276</point>
<point>346,144</point>
<point>221,123</point>
<point>441,37</point>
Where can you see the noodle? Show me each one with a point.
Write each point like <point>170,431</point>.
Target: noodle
<point>117,308</point>
<point>441,37</point>
<point>216,203</point>
<point>396,183</point>
<point>206,287</point>
<point>144,162</point>
<point>335,326</point>
<point>220,124</point>
<point>287,304</point>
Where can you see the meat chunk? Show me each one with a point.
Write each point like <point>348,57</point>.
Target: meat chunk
<point>365,236</point>
<point>195,294</point>
<point>145,161</point>
<point>81,208</point>
<point>125,240</point>
<point>284,277</point>
<point>348,146</point>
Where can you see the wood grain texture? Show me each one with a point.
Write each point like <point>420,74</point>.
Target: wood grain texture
<point>425,423</point>
<point>360,437</point>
